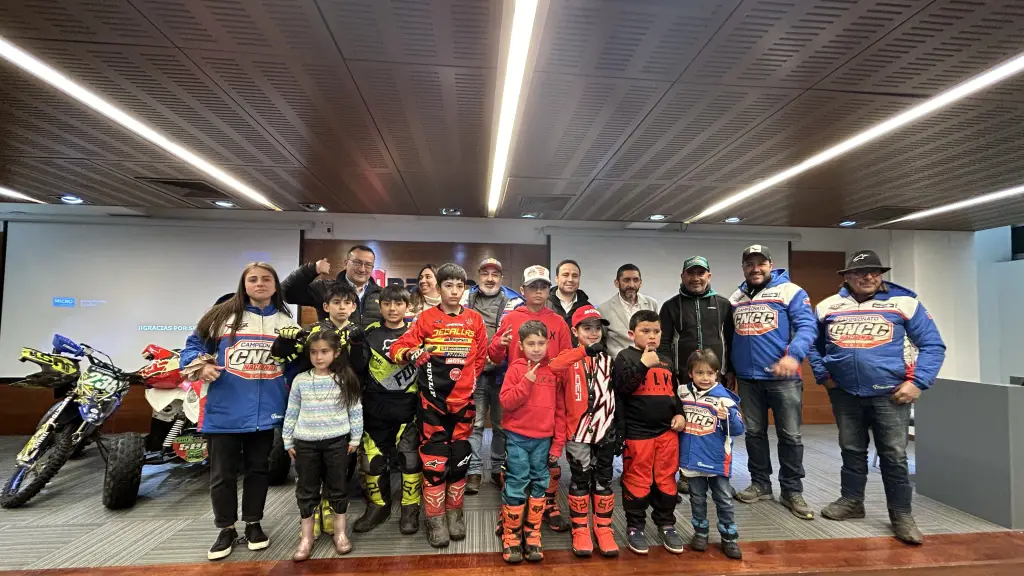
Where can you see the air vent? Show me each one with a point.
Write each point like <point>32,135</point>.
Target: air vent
<point>544,203</point>
<point>187,189</point>
<point>880,214</point>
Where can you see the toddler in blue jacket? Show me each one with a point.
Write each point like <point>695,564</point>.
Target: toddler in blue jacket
<point>705,449</point>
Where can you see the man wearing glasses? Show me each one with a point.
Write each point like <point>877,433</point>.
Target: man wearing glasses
<point>877,349</point>
<point>302,287</point>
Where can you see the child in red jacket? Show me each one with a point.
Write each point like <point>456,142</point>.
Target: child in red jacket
<point>534,423</point>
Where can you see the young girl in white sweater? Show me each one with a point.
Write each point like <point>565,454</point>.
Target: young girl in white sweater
<point>322,426</point>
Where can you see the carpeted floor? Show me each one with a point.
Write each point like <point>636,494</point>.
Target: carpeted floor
<point>67,525</point>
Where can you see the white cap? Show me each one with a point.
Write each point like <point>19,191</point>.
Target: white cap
<point>536,274</point>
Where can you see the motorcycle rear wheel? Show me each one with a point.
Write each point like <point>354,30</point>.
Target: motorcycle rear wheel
<point>29,479</point>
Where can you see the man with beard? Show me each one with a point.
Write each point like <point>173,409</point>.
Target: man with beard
<point>621,307</point>
<point>697,318</point>
<point>877,349</point>
<point>567,298</point>
<point>492,301</point>
<point>774,329</point>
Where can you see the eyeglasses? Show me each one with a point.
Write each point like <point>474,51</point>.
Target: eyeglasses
<point>864,273</point>
<point>361,264</point>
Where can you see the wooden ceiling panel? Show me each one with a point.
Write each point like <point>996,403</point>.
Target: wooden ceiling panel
<point>48,179</point>
<point>794,44</point>
<point>608,199</point>
<point>574,124</point>
<point>442,32</point>
<point>547,197</point>
<point>639,39</point>
<point>113,21</point>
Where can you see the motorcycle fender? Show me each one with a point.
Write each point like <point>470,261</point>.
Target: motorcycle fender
<point>159,398</point>
<point>31,450</point>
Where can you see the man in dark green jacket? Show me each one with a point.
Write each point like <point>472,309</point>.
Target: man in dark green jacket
<point>695,319</point>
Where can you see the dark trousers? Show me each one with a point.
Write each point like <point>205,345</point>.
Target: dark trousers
<point>322,463</point>
<point>785,399</point>
<point>591,466</point>
<point>721,493</point>
<point>226,451</point>
<point>889,424</point>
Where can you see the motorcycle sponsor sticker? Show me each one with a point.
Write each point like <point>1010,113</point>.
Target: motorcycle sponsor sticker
<point>755,319</point>
<point>251,359</point>
<point>190,448</point>
<point>455,374</point>
<point>860,331</point>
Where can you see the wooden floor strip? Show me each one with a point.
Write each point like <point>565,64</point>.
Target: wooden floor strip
<point>981,554</point>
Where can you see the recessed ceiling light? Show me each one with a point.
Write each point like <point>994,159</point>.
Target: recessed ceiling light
<point>18,195</point>
<point>313,207</point>
<point>983,199</point>
<point>732,219</point>
<point>451,211</point>
<point>979,82</point>
<point>530,215</point>
<point>848,223</point>
<point>225,204</point>
<point>512,87</point>
<point>657,217</point>
<point>51,76</point>
<point>71,199</point>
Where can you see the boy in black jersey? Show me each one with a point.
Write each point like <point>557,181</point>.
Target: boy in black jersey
<point>389,410</point>
<point>649,417</point>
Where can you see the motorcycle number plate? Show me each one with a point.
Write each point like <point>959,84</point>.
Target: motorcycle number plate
<point>190,448</point>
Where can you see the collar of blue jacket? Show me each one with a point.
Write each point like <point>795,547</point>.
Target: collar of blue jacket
<point>269,310</point>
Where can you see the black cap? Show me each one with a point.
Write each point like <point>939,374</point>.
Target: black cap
<point>864,260</point>
<point>756,249</point>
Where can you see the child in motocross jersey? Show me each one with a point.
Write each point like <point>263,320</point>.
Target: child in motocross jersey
<point>585,372</point>
<point>449,345</point>
<point>389,413</point>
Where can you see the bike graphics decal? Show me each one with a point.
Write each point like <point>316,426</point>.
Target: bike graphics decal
<point>190,448</point>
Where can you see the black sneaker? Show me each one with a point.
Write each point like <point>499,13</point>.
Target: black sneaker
<point>732,549</point>
<point>699,542</point>
<point>637,540</point>
<point>669,537</point>
<point>255,537</point>
<point>225,542</point>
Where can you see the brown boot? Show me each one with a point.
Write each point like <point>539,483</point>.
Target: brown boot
<point>511,533</point>
<point>603,507</point>
<point>579,516</point>
<point>342,545</point>
<point>533,551</point>
<point>306,539</point>
<point>552,515</point>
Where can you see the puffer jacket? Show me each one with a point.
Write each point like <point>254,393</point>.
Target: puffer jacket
<point>251,392</point>
<point>705,445</point>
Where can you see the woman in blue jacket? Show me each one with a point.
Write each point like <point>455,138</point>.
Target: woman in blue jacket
<point>244,398</point>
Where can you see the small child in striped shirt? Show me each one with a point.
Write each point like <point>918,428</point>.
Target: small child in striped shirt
<point>323,425</point>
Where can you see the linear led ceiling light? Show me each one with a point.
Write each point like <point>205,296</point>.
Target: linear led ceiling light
<point>983,199</point>
<point>980,82</point>
<point>18,195</point>
<point>47,74</point>
<point>515,70</point>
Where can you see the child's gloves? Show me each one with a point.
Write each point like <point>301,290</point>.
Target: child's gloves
<point>594,349</point>
<point>419,356</point>
<point>289,332</point>
<point>356,335</point>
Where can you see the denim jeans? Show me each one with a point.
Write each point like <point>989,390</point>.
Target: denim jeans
<point>486,398</point>
<point>527,464</point>
<point>722,495</point>
<point>785,399</point>
<point>889,423</point>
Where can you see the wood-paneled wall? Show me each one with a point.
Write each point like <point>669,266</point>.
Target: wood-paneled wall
<point>21,409</point>
<point>403,260</point>
<point>816,272</point>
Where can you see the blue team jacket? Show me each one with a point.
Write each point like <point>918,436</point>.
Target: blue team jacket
<point>705,444</point>
<point>776,322</point>
<point>251,393</point>
<point>871,347</point>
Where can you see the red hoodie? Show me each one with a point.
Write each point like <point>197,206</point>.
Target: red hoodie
<point>534,409</point>
<point>558,334</point>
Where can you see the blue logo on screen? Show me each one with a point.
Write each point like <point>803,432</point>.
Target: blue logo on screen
<point>63,302</point>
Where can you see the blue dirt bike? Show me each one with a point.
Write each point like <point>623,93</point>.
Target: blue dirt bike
<point>92,396</point>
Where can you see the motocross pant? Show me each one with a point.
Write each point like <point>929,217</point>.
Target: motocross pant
<point>383,443</point>
<point>445,452</point>
<point>649,476</point>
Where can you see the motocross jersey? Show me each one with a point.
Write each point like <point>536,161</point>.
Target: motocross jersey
<point>589,397</point>
<point>389,389</point>
<point>448,378</point>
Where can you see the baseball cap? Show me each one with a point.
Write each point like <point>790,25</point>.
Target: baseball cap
<point>587,312</point>
<point>536,273</point>
<point>864,260</point>
<point>756,249</point>
<point>490,262</point>
<point>695,261</point>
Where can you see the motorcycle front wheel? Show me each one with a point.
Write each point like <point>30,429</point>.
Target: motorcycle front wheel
<point>29,479</point>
